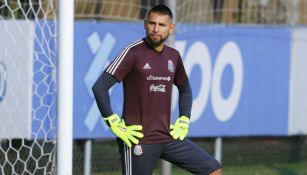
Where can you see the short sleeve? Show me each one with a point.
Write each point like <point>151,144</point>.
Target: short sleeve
<point>180,74</point>
<point>122,64</point>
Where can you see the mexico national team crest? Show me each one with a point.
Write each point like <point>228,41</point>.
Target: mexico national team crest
<point>138,150</point>
<point>170,66</point>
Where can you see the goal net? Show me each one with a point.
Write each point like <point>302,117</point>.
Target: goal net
<point>27,86</point>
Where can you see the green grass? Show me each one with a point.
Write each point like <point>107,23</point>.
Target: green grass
<point>241,156</point>
<point>275,169</point>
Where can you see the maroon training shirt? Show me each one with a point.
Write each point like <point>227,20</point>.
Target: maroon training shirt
<point>148,77</point>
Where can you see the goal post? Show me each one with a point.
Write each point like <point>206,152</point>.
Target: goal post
<point>36,86</point>
<point>65,100</point>
<point>28,83</point>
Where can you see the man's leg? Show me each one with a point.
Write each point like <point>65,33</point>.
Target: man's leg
<point>217,172</point>
<point>139,159</point>
<point>190,157</point>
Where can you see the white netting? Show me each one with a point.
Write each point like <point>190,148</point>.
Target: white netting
<point>27,86</point>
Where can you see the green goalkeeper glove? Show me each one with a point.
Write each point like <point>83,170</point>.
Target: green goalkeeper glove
<point>126,133</point>
<point>181,128</point>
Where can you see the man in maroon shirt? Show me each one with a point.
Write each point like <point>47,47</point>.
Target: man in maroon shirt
<point>148,69</point>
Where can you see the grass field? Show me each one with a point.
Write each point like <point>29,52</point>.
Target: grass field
<point>275,169</point>
<point>241,156</point>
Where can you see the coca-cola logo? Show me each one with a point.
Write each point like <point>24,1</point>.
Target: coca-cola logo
<point>2,81</point>
<point>157,88</point>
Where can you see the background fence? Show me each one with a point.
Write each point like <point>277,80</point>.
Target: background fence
<point>257,12</point>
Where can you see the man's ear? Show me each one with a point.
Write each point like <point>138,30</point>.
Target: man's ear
<point>145,24</point>
<point>172,28</point>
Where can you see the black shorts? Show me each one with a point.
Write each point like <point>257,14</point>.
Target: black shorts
<point>142,159</point>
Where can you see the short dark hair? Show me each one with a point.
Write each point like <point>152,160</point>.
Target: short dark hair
<point>163,9</point>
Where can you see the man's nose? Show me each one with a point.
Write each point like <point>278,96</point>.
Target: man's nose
<point>156,28</point>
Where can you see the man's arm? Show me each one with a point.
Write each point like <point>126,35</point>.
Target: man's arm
<point>185,99</point>
<point>101,93</point>
<point>117,125</point>
<point>181,127</point>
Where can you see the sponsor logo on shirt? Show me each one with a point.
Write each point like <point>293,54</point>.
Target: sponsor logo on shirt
<point>170,66</point>
<point>146,66</point>
<point>151,77</point>
<point>157,88</point>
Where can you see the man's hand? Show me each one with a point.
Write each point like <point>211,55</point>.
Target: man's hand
<point>126,133</point>
<point>181,128</point>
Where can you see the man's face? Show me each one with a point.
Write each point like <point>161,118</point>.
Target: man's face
<point>158,26</point>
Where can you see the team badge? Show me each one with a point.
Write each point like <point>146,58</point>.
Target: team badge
<point>138,150</point>
<point>170,66</point>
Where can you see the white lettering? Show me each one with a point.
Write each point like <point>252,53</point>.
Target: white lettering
<point>224,108</point>
<point>199,54</point>
<point>157,88</point>
<point>151,77</point>
<point>210,79</point>
<point>2,81</point>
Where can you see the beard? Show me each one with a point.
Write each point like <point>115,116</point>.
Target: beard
<point>156,42</point>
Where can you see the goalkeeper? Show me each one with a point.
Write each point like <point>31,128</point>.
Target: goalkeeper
<point>148,69</point>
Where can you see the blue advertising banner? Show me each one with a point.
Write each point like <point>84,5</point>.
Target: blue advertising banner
<point>239,77</point>
<point>96,45</point>
<point>245,80</point>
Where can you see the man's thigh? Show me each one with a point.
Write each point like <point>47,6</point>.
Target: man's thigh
<point>139,159</point>
<point>190,157</point>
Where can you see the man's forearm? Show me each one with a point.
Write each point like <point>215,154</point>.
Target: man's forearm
<point>185,99</point>
<point>101,93</point>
